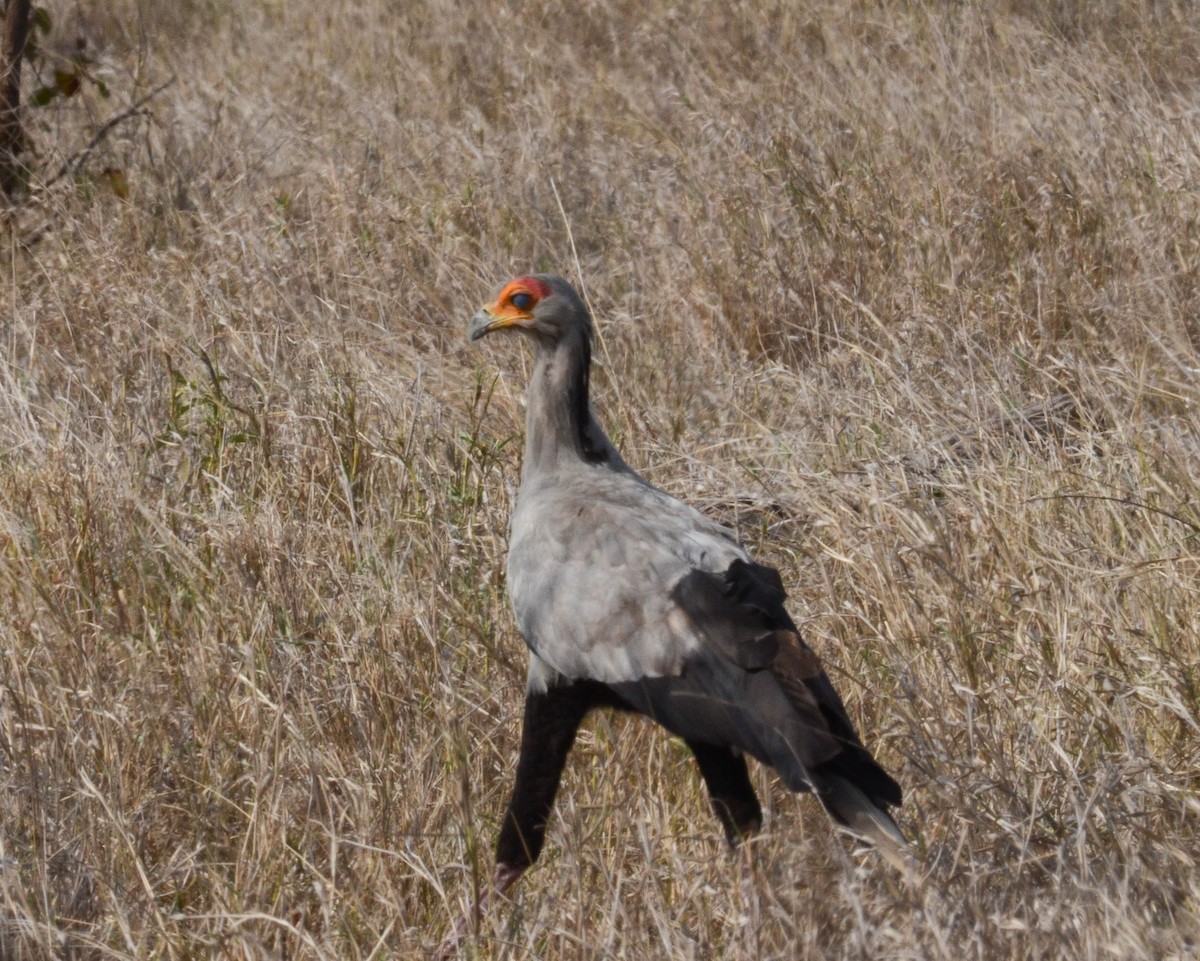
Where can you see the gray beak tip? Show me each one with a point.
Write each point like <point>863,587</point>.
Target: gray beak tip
<point>478,326</point>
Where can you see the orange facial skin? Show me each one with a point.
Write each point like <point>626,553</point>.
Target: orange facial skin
<point>518,299</point>
<point>512,308</point>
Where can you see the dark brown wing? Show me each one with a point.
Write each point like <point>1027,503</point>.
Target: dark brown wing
<point>741,612</point>
<point>807,686</point>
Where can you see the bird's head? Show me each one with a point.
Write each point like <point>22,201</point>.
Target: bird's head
<point>543,306</point>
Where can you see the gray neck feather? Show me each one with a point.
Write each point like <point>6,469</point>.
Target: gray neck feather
<point>558,424</point>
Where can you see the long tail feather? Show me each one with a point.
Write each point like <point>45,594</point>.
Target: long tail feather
<point>852,808</point>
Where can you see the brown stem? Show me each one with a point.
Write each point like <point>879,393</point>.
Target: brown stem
<point>12,54</point>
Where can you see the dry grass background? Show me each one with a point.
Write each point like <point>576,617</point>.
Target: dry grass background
<point>261,688</point>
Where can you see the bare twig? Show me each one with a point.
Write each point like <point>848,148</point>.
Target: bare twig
<point>1039,419</point>
<point>77,160</point>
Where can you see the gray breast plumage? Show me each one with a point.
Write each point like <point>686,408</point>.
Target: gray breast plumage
<point>593,559</point>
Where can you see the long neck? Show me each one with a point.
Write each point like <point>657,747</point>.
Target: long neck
<point>558,424</point>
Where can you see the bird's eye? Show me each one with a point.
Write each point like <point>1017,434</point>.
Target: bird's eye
<point>522,301</point>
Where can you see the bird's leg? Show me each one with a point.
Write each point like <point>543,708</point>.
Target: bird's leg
<point>552,718</point>
<point>730,790</point>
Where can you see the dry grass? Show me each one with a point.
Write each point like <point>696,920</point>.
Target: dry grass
<point>261,689</point>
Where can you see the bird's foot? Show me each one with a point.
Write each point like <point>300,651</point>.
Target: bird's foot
<point>502,880</point>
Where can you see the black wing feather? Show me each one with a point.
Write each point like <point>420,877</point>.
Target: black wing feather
<point>742,612</point>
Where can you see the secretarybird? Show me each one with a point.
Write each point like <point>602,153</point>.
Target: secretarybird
<point>629,598</point>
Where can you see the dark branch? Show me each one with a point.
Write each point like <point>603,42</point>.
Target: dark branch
<point>12,136</point>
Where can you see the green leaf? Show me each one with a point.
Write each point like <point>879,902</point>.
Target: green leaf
<point>43,95</point>
<point>67,82</point>
<point>118,181</point>
<point>40,18</point>
<point>103,88</point>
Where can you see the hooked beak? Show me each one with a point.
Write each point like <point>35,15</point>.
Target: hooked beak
<point>484,323</point>
<point>494,317</point>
